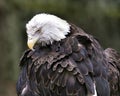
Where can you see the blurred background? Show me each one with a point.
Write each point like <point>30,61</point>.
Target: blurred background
<point>100,18</point>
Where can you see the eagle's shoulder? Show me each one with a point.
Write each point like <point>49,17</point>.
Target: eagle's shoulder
<point>24,58</point>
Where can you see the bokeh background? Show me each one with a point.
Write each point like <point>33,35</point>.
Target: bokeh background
<point>100,18</point>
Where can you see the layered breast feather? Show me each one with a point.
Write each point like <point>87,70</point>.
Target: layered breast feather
<point>74,66</point>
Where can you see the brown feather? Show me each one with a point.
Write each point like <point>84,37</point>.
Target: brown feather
<point>66,68</point>
<point>113,58</point>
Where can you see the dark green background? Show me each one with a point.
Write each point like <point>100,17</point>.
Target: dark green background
<point>100,18</point>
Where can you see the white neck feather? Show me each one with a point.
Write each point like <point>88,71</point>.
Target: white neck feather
<point>48,27</point>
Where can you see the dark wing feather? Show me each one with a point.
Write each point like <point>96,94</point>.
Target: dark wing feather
<point>24,85</point>
<point>66,68</point>
<point>113,58</point>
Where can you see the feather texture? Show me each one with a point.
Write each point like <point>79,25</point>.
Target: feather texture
<point>69,67</point>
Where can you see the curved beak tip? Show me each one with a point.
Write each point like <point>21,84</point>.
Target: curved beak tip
<point>31,44</point>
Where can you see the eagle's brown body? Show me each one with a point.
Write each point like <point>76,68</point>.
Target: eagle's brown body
<point>113,58</point>
<point>74,66</point>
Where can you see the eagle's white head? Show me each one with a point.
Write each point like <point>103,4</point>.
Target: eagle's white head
<point>46,28</point>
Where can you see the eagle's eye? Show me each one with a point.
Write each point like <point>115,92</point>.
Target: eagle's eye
<point>38,31</point>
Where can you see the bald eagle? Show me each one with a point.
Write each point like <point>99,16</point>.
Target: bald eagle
<point>63,60</point>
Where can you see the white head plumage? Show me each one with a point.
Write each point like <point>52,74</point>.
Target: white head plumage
<point>46,28</point>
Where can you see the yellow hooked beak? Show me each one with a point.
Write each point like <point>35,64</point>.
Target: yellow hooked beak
<point>31,43</point>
